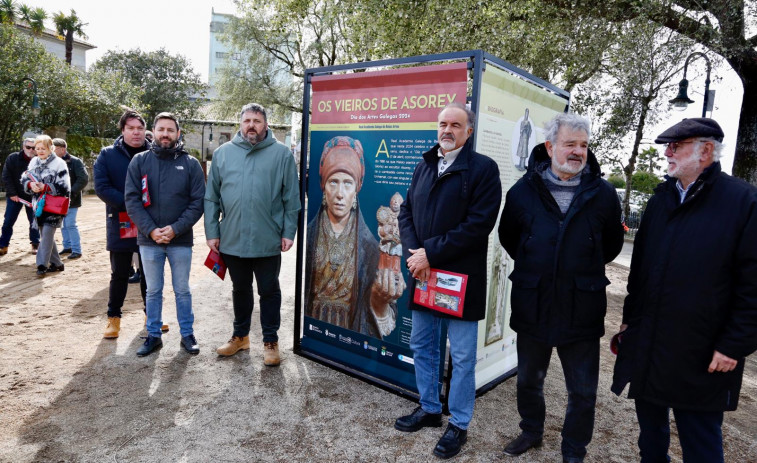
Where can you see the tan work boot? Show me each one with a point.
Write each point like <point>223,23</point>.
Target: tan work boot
<point>271,356</point>
<point>3,251</point>
<point>234,345</point>
<point>114,326</point>
<point>163,329</point>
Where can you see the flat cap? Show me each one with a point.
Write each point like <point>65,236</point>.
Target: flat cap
<point>694,127</point>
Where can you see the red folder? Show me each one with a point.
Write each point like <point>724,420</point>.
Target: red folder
<point>216,265</point>
<point>126,228</point>
<point>444,292</point>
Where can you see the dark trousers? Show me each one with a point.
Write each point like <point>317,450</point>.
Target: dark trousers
<point>266,273</point>
<point>12,210</point>
<point>700,434</point>
<point>120,265</point>
<point>580,362</point>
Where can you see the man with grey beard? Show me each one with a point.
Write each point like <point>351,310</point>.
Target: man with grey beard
<point>561,224</point>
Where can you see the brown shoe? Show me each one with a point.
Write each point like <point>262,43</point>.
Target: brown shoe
<point>114,326</point>
<point>234,345</point>
<point>3,251</point>
<point>35,247</point>
<point>271,356</point>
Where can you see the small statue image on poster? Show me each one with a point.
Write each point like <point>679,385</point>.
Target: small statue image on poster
<point>495,311</point>
<point>350,280</point>
<point>389,234</point>
<point>525,144</point>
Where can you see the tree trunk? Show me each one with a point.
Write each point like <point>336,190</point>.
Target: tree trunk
<point>745,159</point>
<point>631,166</point>
<point>69,45</point>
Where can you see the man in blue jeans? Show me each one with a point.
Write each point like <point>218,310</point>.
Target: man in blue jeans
<point>164,192</point>
<point>15,165</point>
<point>77,171</point>
<point>561,224</point>
<point>445,222</point>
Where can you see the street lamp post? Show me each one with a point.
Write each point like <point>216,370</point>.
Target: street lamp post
<point>35,98</point>
<point>204,162</point>
<point>681,101</point>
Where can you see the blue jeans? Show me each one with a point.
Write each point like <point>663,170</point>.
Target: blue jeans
<point>700,434</point>
<point>580,362</point>
<point>12,209</point>
<point>70,231</point>
<point>153,262</point>
<point>424,340</point>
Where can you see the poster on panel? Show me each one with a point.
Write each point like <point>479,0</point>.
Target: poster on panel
<point>511,118</point>
<point>368,131</point>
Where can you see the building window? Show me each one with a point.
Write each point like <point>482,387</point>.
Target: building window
<point>221,55</point>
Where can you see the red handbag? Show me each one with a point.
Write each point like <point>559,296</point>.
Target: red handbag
<point>56,204</point>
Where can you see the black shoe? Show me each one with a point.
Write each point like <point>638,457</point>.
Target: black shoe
<point>189,343</point>
<point>521,444</point>
<point>417,420</point>
<point>151,343</point>
<point>134,278</point>
<point>451,442</point>
<point>65,251</point>
<point>56,268</point>
<point>74,255</point>
<point>572,460</point>
<point>41,270</point>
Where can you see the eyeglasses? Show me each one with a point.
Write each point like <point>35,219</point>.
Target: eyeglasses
<point>28,147</point>
<point>674,146</point>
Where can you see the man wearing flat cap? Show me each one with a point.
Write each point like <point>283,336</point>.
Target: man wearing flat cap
<point>690,317</point>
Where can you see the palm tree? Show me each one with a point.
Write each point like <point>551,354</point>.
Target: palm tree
<point>67,26</point>
<point>8,11</point>
<point>35,18</point>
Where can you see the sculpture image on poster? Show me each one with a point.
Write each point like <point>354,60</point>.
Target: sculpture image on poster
<point>525,145</point>
<point>350,280</point>
<point>495,309</point>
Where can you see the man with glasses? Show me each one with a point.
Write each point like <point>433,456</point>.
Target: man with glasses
<point>15,165</point>
<point>690,317</point>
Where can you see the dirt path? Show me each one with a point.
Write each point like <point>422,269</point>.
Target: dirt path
<point>68,395</point>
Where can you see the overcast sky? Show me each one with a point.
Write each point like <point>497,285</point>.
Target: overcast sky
<point>182,27</point>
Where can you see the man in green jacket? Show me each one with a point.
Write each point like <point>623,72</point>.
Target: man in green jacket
<point>252,187</point>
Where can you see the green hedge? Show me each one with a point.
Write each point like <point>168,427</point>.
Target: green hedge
<point>86,148</point>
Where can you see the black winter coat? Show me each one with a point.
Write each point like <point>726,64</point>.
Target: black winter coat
<point>15,165</point>
<point>110,177</point>
<point>176,185</point>
<point>558,284</point>
<point>79,178</point>
<point>692,290</point>
<point>451,217</point>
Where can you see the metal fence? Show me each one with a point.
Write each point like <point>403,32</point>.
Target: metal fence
<point>632,222</point>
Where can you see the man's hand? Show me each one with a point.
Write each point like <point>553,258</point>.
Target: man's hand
<point>721,363</point>
<point>168,233</point>
<point>14,199</point>
<point>418,263</point>
<point>623,327</point>
<point>286,244</point>
<point>156,236</point>
<point>213,244</point>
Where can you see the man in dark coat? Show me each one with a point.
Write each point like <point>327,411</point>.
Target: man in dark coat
<point>561,224</point>
<point>690,317</point>
<point>445,222</point>
<point>77,172</point>
<point>110,177</point>
<point>164,193</point>
<point>15,165</point>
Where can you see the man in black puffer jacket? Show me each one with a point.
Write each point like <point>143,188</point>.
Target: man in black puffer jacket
<point>561,224</point>
<point>691,310</point>
<point>15,165</point>
<point>164,193</point>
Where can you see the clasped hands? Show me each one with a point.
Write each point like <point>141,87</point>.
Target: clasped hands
<point>418,264</point>
<point>163,235</point>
